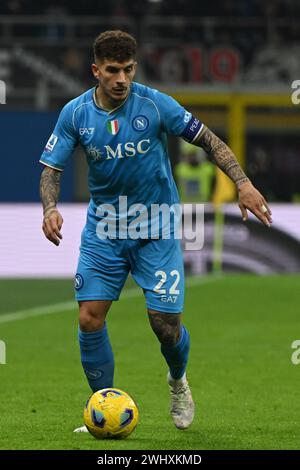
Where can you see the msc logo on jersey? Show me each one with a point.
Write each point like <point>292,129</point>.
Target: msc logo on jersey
<point>140,123</point>
<point>129,149</point>
<point>78,282</point>
<point>51,143</point>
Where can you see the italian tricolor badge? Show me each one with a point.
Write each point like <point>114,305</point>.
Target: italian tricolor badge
<point>113,126</point>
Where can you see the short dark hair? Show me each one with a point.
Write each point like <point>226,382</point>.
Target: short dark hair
<point>116,45</point>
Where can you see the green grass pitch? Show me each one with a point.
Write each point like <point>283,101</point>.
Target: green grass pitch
<point>244,384</point>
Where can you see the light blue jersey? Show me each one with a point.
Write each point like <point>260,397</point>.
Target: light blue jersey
<point>126,148</point>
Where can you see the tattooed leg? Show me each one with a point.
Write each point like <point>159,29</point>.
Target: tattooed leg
<point>165,326</point>
<point>174,341</point>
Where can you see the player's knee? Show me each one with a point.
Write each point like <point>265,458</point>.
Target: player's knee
<point>166,327</point>
<point>90,320</point>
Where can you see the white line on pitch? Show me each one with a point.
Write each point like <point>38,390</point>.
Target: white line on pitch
<point>72,305</point>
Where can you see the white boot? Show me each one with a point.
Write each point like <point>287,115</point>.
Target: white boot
<point>81,429</point>
<point>182,405</point>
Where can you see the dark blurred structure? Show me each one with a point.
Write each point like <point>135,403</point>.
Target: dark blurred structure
<point>274,8</point>
<point>224,41</point>
<point>230,62</point>
<point>274,165</point>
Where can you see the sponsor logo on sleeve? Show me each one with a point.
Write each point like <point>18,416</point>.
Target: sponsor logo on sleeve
<point>51,143</point>
<point>187,117</point>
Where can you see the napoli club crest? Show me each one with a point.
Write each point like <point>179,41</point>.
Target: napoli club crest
<point>78,281</point>
<point>140,123</point>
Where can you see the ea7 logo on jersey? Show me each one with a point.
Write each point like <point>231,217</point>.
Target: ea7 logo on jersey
<point>86,130</point>
<point>51,143</point>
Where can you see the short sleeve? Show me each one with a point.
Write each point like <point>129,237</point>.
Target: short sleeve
<point>175,119</point>
<point>62,141</point>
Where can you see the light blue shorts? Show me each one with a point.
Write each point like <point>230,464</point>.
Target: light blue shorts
<point>155,265</point>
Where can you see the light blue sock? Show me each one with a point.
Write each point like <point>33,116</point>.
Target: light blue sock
<point>97,358</point>
<point>177,356</point>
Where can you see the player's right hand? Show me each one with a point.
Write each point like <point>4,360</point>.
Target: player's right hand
<point>52,224</point>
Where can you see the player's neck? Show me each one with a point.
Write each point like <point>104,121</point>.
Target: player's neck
<point>106,102</point>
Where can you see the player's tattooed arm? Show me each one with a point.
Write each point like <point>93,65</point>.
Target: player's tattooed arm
<point>49,189</point>
<point>221,155</point>
<point>49,192</point>
<point>249,197</point>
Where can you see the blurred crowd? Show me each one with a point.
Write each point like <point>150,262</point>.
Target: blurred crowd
<point>263,35</point>
<point>141,8</point>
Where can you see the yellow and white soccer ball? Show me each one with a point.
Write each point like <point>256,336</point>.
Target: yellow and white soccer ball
<point>111,413</point>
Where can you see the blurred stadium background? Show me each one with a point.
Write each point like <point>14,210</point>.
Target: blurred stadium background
<point>231,63</point>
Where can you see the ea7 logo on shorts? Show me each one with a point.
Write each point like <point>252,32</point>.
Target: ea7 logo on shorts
<point>86,130</point>
<point>78,282</point>
<point>169,298</point>
<point>51,143</point>
<point>140,123</point>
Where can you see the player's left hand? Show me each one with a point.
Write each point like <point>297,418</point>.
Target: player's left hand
<point>251,199</point>
<point>52,223</point>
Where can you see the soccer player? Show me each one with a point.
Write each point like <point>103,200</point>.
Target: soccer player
<point>122,127</point>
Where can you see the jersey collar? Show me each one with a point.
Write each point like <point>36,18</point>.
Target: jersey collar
<point>112,110</point>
